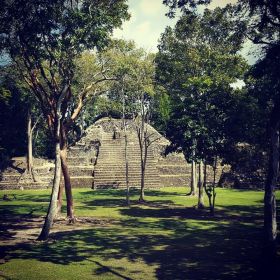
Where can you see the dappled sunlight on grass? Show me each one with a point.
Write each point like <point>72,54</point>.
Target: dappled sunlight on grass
<point>166,238</point>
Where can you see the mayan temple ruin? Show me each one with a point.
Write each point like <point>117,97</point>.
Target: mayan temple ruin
<point>98,161</point>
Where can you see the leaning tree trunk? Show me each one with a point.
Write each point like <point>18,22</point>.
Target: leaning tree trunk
<point>200,203</point>
<point>60,198</point>
<point>53,202</point>
<point>270,222</point>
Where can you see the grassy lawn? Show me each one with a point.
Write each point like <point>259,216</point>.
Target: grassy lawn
<point>165,239</point>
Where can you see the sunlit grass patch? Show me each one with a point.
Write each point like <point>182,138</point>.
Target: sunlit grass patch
<point>166,238</point>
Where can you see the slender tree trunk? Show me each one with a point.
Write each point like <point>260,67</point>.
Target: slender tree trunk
<point>142,194</point>
<point>29,144</point>
<point>143,152</point>
<point>57,172</point>
<point>204,176</point>
<point>214,186</point>
<point>53,201</point>
<point>68,187</point>
<point>270,223</point>
<point>29,157</point>
<point>215,170</point>
<point>208,189</point>
<point>200,186</point>
<point>60,197</point>
<point>193,191</point>
<point>66,175</point>
<point>126,169</point>
<point>125,148</point>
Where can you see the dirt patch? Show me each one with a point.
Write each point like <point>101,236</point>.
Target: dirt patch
<point>26,230</point>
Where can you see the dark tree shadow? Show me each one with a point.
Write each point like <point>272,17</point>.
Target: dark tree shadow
<point>183,243</point>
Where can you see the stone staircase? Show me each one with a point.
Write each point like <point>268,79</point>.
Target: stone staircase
<point>109,170</point>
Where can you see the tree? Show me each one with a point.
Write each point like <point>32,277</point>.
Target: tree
<point>128,93</point>
<point>262,20</point>
<point>197,63</point>
<point>13,111</point>
<point>265,86</point>
<point>133,88</point>
<point>44,39</point>
<point>17,106</point>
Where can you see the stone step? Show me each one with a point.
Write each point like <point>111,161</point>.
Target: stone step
<point>175,181</point>
<point>122,154</point>
<point>80,171</point>
<point>11,186</point>
<point>82,182</point>
<point>98,175</point>
<point>122,159</point>
<point>79,160</point>
<point>130,172</point>
<point>122,180</point>
<point>9,177</point>
<point>116,163</point>
<point>123,186</point>
<point>174,169</point>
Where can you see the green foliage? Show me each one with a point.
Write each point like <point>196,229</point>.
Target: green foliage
<point>161,110</point>
<point>260,19</point>
<point>46,38</point>
<point>128,73</point>
<point>15,102</point>
<point>13,112</point>
<point>196,64</point>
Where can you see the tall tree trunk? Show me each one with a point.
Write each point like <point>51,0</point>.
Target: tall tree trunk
<point>270,223</point>
<point>142,194</point>
<point>215,170</point>
<point>204,176</point>
<point>66,175</point>
<point>214,186</point>
<point>29,144</point>
<point>125,148</point>
<point>29,156</point>
<point>53,201</point>
<point>68,186</point>
<point>126,169</point>
<point>200,203</point>
<point>60,197</point>
<point>193,191</point>
<point>57,172</point>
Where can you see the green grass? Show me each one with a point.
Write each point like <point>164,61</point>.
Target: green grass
<point>165,239</point>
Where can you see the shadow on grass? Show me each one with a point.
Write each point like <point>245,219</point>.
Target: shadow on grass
<point>121,202</point>
<point>203,248</point>
<point>181,243</point>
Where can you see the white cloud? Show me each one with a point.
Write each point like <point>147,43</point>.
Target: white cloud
<point>147,22</point>
<point>151,7</point>
<point>144,27</point>
<point>221,3</point>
